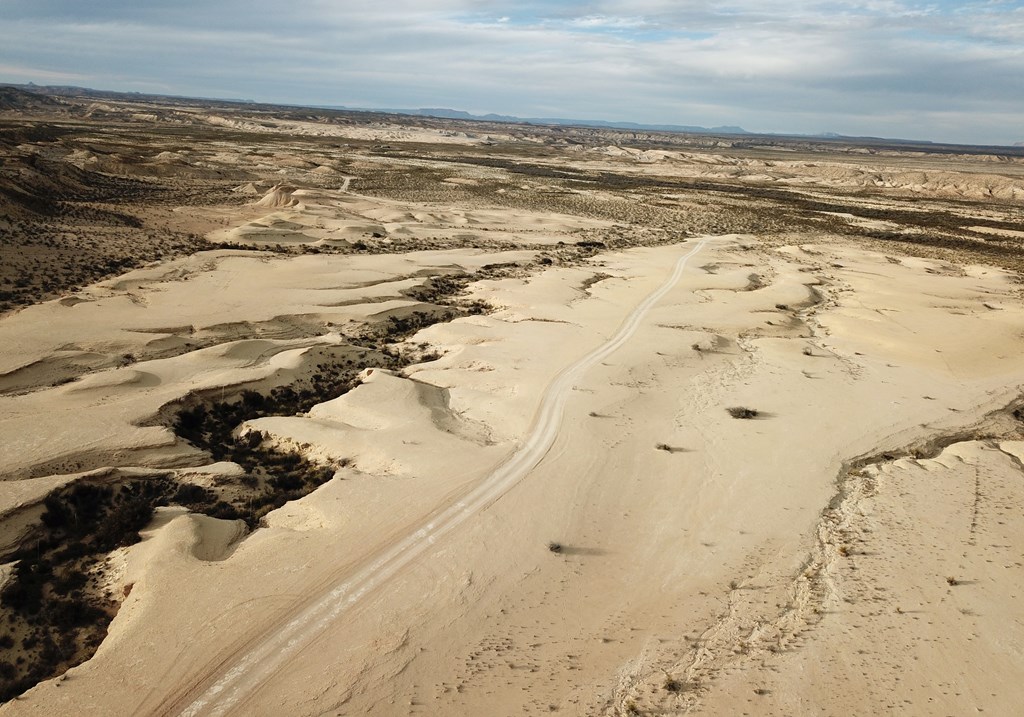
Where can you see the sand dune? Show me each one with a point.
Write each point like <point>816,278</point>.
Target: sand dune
<point>278,196</point>
<point>120,335</point>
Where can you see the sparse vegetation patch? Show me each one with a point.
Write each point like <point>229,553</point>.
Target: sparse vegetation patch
<point>743,412</point>
<point>57,611</point>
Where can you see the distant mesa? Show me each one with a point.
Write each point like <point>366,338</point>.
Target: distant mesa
<point>12,98</point>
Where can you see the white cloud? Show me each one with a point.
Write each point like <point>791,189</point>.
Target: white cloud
<point>605,21</point>
<point>40,75</point>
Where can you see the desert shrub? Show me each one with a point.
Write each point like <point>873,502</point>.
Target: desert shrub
<point>131,513</point>
<point>190,423</point>
<point>253,399</point>
<point>190,494</point>
<point>71,613</point>
<point>224,511</point>
<point>24,590</point>
<point>73,549</point>
<point>286,482</point>
<point>319,475</point>
<point>742,412</point>
<point>671,684</point>
<point>74,510</point>
<point>69,581</point>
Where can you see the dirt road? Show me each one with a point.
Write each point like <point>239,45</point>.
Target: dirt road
<point>257,661</point>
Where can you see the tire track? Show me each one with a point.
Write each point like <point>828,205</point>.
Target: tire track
<point>249,668</point>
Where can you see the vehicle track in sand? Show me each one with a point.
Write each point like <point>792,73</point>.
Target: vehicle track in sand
<point>230,680</point>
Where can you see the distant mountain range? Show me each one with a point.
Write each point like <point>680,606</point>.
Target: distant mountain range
<point>445,113</point>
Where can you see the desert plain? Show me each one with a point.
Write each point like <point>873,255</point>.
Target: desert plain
<point>307,412</point>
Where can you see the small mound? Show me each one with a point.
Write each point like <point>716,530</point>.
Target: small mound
<point>279,196</point>
<point>215,539</point>
<point>169,158</point>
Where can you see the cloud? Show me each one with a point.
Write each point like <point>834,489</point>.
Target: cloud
<point>42,75</point>
<point>604,21</point>
<point>940,70</point>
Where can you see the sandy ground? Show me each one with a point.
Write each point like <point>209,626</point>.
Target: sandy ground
<point>559,514</point>
<point>701,566</point>
<point>341,217</point>
<point>993,177</point>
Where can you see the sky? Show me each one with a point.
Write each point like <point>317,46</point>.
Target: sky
<point>941,71</point>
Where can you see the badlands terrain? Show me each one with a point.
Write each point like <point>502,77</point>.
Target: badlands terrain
<point>321,413</point>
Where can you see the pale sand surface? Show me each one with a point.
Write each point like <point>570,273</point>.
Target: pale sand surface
<point>997,232</point>
<point>898,637</point>
<point>331,218</point>
<point>716,562</point>
<point>379,131</point>
<point>295,303</point>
